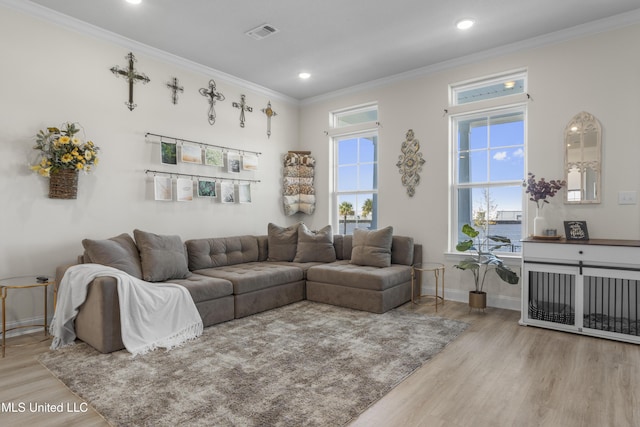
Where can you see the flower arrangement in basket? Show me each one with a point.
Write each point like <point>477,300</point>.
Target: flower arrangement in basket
<point>62,156</point>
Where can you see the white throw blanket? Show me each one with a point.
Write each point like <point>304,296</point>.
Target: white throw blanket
<point>152,315</point>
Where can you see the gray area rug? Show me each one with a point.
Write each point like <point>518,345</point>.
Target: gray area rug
<point>305,364</point>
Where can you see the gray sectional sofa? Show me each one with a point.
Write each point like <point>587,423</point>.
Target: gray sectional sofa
<point>234,277</point>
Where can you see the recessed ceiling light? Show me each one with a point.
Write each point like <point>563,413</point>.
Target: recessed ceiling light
<point>134,1</point>
<point>465,24</point>
<point>304,76</point>
<point>509,85</point>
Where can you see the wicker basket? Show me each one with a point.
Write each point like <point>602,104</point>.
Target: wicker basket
<point>63,184</point>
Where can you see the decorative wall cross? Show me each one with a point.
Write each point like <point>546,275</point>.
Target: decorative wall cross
<point>132,77</point>
<point>213,97</point>
<point>174,90</point>
<point>242,105</point>
<point>270,113</point>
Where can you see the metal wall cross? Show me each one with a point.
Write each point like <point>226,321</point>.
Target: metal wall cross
<point>132,77</point>
<point>174,90</point>
<point>242,105</point>
<point>270,113</point>
<point>213,96</point>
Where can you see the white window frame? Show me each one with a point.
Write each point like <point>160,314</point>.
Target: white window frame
<point>481,109</point>
<point>359,130</point>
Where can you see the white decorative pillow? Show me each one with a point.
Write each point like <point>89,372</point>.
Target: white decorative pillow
<point>315,246</point>
<point>372,247</point>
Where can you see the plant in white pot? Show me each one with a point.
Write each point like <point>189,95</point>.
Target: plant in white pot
<point>481,259</point>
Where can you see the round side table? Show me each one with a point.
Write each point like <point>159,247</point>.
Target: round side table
<point>22,282</point>
<point>438,274</point>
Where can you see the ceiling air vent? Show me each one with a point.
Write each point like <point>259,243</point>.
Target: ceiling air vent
<point>264,30</point>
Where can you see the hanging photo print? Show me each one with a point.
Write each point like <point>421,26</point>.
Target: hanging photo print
<point>206,188</point>
<point>226,192</point>
<point>250,162</point>
<point>233,163</point>
<point>184,189</point>
<point>162,188</point>
<point>191,154</point>
<point>168,152</point>
<point>213,157</point>
<point>244,193</point>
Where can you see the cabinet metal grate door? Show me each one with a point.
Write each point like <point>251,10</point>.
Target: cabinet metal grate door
<point>611,304</point>
<point>551,297</point>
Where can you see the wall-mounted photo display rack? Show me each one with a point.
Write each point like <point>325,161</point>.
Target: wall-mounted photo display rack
<point>191,175</point>
<point>182,140</point>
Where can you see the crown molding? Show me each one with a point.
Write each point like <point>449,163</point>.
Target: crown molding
<point>85,28</point>
<point>583,30</point>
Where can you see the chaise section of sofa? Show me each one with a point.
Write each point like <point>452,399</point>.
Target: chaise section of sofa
<point>365,287</point>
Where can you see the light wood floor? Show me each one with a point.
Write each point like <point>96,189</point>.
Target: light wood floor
<point>496,373</point>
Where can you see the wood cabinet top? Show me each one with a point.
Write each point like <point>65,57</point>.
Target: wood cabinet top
<point>595,242</point>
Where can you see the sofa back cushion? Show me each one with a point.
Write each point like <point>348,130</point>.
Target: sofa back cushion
<point>402,248</point>
<point>221,251</point>
<point>162,257</point>
<point>118,252</point>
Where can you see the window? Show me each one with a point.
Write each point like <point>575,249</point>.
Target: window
<point>488,149</point>
<point>355,183</point>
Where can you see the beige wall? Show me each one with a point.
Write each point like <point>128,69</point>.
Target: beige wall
<point>596,73</point>
<point>51,75</point>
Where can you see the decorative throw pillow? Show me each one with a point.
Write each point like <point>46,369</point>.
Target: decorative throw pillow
<point>372,247</point>
<point>315,246</point>
<point>162,257</point>
<point>283,242</point>
<point>118,252</point>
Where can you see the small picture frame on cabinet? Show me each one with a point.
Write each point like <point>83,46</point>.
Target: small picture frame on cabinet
<point>576,230</point>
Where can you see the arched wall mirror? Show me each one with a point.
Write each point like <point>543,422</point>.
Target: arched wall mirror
<point>582,161</point>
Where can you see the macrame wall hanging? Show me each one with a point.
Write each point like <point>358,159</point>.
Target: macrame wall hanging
<point>298,173</point>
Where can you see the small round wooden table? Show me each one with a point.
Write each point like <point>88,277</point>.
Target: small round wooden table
<point>438,273</point>
<point>22,282</point>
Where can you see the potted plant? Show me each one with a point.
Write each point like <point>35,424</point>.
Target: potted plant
<point>481,259</point>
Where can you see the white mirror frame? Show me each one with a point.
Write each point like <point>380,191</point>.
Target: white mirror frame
<point>582,164</point>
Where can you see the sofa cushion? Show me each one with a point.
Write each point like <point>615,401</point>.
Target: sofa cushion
<point>118,252</point>
<point>372,247</point>
<point>221,251</point>
<point>344,273</point>
<point>402,249</point>
<point>205,288</point>
<point>253,276</point>
<point>162,257</point>
<point>283,242</point>
<point>315,246</point>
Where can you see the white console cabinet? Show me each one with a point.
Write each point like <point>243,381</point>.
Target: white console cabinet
<point>585,287</point>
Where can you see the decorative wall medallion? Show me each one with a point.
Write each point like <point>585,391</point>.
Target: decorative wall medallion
<point>269,113</point>
<point>175,88</point>
<point>213,96</point>
<point>410,162</point>
<point>132,77</point>
<point>242,105</point>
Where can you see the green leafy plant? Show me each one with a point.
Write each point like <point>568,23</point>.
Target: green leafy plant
<point>480,260</point>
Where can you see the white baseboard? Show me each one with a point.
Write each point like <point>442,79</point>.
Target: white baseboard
<point>497,301</point>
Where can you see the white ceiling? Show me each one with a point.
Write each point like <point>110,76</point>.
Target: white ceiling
<point>342,43</point>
